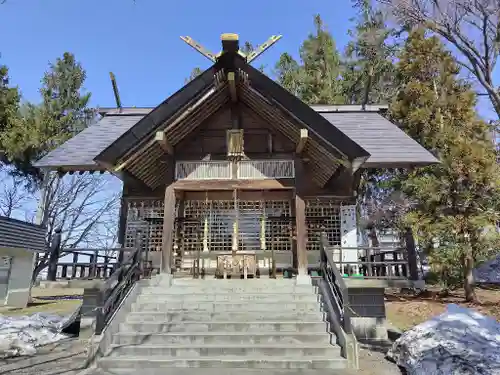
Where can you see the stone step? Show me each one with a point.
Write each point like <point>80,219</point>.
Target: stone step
<point>140,363</point>
<point>222,351</point>
<point>212,280</point>
<point>214,371</point>
<point>202,288</point>
<point>229,297</point>
<point>224,316</point>
<point>230,326</point>
<point>256,306</point>
<point>222,338</point>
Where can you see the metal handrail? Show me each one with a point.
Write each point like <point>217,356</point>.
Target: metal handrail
<point>117,286</point>
<point>336,284</point>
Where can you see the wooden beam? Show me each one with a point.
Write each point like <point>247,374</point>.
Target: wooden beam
<point>130,157</point>
<point>161,138</point>
<point>168,230</point>
<point>231,79</point>
<point>301,144</point>
<point>300,223</point>
<point>202,185</point>
<point>198,47</point>
<point>263,47</point>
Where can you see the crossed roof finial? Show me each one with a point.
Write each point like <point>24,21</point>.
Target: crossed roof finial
<point>230,43</point>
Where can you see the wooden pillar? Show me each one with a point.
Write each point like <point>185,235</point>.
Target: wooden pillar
<point>168,229</point>
<point>300,223</point>
<point>122,226</point>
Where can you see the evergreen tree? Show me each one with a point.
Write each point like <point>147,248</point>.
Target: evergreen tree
<point>316,79</point>
<point>9,106</point>
<point>194,73</point>
<point>368,62</point>
<point>289,73</point>
<point>63,113</point>
<point>454,202</point>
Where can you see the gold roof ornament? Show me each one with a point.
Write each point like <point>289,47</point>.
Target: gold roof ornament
<point>230,43</point>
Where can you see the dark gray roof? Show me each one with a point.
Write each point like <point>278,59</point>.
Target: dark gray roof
<point>388,145</point>
<point>16,234</point>
<point>81,150</point>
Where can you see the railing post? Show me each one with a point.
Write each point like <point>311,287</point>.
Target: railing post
<point>412,254</point>
<point>106,266</point>
<point>73,268</point>
<point>93,265</point>
<point>54,255</point>
<point>347,312</point>
<point>64,271</point>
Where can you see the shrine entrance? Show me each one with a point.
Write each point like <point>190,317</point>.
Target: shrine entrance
<point>233,233</point>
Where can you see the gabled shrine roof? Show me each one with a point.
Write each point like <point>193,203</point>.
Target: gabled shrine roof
<point>388,145</point>
<point>125,138</point>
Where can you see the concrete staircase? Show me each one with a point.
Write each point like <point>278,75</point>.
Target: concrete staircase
<point>224,327</point>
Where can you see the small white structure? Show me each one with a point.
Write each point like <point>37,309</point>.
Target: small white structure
<point>19,243</point>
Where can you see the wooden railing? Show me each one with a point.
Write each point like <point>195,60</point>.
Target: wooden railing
<point>372,263</point>
<point>336,285</point>
<point>203,170</point>
<point>245,169</point>
<point>94,266</point>
<point>86,264</point>
<point>263,169</point>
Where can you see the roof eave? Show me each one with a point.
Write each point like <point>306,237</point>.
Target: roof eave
<point>159,115</point>
<point>318,124</point>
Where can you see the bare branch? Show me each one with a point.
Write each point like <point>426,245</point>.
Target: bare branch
<point>470,26</point>
<point>84,206</point>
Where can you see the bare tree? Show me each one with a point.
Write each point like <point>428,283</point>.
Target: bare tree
<point>472,27</point>
<point>12,196</point>
<point>84,206</point>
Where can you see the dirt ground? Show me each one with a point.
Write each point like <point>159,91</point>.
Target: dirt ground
<point>59,306</point>
<point>404,311</point>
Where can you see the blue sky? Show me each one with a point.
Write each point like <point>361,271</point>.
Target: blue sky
<point>139,41</point>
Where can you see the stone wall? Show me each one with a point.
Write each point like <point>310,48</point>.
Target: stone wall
<point>368,313</point>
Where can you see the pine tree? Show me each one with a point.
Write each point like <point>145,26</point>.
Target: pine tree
<point>368,62</point>
<point>63,113</point>
<point>454,202</point>
<point>9,106</point>
<point>316,79</point>
<point>194,73</point>
<point>288,73</point>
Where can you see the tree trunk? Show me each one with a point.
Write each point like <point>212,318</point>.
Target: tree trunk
<point>468,265</point>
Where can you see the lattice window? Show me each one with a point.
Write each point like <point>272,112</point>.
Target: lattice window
<point>221,221</point>
<point>193,225</point>
<point>279,225</point>
<point>220,217</point>
<point>249,224</point>
<point>145,215</point>
<point>322,215</point>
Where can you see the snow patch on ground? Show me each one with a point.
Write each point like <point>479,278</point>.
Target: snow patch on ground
<point>459,341</point>
<point>21,335</point>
